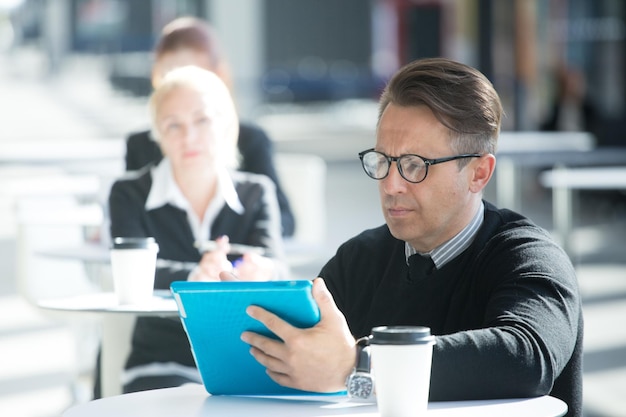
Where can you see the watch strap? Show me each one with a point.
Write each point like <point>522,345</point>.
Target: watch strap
<point>362,363</point>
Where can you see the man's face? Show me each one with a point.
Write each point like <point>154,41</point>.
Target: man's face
<point>433,211</point>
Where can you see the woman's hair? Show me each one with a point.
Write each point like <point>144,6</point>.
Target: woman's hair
<point>460,97</point>
<point>190,33</point>
<point>192,41</point>
<point>215,94</point>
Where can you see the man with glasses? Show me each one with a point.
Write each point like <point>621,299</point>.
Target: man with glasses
<point>498,293</point>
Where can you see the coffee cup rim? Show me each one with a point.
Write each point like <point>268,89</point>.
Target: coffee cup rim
<point>401,335</point>
<point>123,242</point>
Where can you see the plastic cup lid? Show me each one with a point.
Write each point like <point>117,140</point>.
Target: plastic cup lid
<point>134,243</point>
<point>401,335</point>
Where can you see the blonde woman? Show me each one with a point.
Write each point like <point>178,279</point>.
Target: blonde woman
<point>193,195</point>
<point>192,41</point>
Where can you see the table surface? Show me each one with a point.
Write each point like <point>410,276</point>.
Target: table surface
<point>586,178</point>
<point>99,253</point>
<point>540,157</point>
<point>47,151</point>
<point>532,141</point>
<point>192,400</point>
<point>161,304</point>
<point>88,252</point>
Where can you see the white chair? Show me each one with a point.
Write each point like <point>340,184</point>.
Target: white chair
<point>45,223</point>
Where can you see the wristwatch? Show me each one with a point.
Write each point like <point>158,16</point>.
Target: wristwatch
<point>360,383</point>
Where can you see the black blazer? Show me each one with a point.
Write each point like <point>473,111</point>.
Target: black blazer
<point>162,339</point>
<point>256,156</point>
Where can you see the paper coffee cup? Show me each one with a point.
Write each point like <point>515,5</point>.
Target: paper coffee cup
<point>401,364</point>
<point>133,266</point>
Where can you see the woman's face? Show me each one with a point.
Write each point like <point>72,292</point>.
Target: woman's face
<point>190,128</point>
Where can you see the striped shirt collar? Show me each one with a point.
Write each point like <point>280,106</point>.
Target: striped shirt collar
<point>452,248</point>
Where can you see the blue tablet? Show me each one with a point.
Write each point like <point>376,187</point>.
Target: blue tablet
<point>214,316</point>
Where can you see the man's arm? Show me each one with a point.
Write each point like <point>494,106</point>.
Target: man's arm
<point>529,331</point>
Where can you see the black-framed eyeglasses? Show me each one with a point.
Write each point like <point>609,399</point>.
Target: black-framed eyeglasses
<point>413,168</point>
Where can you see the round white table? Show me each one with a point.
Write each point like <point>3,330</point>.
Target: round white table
<point>117,322</point>
<point>192,400</point>
<point>95,253</point>
<point>161,304</point>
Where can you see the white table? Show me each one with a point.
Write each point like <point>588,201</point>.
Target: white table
<point>117,321</point>
<point>161,304</point>
<point>94,255</point>
<point>564,181</point>
<point>89,252</point>
<point>60,151</point>
<point>192,400</point>
<point>102,156</point>
<point>518,149</point>
<point>52,185</point>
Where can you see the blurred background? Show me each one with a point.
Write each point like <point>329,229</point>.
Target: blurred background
<point>286,52</point>
<point>309,72</point>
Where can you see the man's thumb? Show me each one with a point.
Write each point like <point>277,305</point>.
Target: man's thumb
<point>323,297</point>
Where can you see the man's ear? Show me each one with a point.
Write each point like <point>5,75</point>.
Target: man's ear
<point>482,170</point>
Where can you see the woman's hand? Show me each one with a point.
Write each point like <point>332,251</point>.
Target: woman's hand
<point>254,267</point>
<point>214,262</point>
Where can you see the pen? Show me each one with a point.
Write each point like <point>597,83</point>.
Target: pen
<point>235,248</point>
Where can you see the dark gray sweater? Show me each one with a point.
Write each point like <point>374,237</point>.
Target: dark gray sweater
<point>507,310</point>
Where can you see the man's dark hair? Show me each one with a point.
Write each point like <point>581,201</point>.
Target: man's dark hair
<point>459,96</point>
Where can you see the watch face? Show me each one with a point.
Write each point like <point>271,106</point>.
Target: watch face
<point>360,385</point>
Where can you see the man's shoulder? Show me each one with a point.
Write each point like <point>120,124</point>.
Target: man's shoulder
<point>375,234</point>
<point>371,241</point>
<point>505,232</point>
<point>367,254</point>
<point>507,222</point>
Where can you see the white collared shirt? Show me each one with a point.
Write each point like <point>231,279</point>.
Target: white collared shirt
<point>164,191</point>
<point>444,253</point>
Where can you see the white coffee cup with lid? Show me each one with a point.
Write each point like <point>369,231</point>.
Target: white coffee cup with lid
<point>401,365</point>
<point>133,266</point>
